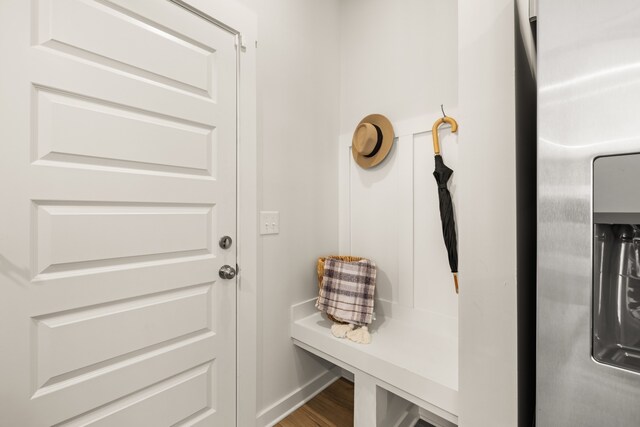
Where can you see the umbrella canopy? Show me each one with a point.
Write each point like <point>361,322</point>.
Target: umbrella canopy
<point>442,173</point>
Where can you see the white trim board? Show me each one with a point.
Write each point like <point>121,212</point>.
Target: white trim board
<point>410,126</point>
<point>236,16</point>
<point>287,405</point>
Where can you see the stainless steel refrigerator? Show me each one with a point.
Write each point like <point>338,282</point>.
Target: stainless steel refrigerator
<point>588,291</point>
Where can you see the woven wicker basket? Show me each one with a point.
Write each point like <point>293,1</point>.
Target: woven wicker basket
<point>320,270</point>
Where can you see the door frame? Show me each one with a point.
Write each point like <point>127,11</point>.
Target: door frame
<point>242,22</point>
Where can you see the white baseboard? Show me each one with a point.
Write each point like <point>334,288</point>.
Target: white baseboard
<point>285,406</point>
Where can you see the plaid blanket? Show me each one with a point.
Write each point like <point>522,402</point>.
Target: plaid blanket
<point>347,290</point>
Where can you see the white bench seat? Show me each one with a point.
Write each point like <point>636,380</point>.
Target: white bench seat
<point>413,356</point>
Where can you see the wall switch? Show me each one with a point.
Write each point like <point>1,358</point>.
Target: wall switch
<point>269,222</point>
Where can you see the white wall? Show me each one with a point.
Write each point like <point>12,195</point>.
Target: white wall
<point>487,214</point>
<point>399,59</point>
<point>298,95</point>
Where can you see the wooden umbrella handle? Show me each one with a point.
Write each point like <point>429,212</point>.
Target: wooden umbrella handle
<point>434,131</point>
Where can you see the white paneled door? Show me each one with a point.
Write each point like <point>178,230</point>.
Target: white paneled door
<point>117,180</point>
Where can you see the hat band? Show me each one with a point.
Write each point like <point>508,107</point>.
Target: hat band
<point>378,143</point>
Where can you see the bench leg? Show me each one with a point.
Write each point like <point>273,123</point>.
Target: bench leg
<point>364,401</point>
<point>377,407</point>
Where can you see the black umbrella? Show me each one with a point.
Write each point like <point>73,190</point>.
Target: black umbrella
<point>442,173</point>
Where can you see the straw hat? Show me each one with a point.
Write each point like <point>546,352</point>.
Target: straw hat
<point>372,140</point>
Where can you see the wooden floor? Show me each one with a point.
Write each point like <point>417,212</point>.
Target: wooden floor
<point>333,407</point>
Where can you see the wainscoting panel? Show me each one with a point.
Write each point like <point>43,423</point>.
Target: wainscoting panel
<point>390,214</point>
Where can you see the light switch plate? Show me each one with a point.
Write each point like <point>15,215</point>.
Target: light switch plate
<point>269,222</point>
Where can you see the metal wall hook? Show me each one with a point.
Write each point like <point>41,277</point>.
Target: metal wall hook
<point>442,108</point>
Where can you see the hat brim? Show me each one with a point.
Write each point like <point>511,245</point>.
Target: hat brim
<point>387,142</point>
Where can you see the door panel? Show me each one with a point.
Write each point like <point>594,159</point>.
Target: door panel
<point>85,131</point>
<point>166,403</point>
<point>115,329</point>
<point>77,236</point>
<point>79,27</point>
<point>118,178</point>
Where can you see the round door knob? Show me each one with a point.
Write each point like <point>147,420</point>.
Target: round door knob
<point>227,272</point>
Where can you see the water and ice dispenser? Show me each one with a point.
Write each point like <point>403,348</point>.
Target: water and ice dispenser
<point>616,261</point>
